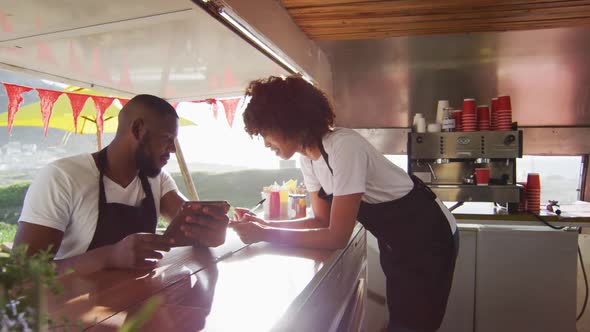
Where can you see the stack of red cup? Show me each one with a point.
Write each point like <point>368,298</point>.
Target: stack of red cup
<point>523,198</point>
<point>533,193</point>
<point>483,117</point>
<point>494,115</point>
<point>458,116</point>
<point>469,117</point>
<point>504,114</point>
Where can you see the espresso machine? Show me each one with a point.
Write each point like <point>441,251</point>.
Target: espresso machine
<point>446,162</point>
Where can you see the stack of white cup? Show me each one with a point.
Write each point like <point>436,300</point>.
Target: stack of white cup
<point>440,110</point>
<point>419,123</point>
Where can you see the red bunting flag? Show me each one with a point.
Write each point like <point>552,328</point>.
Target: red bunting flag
<point>101,104</point>
<point>230,106</point>
<point>123,101</point>
<point>48,99</point>
<point>77,101</point>
<point>212,102</point>
<point>175,104</point>
<point>214,109</point>
<point>14,93</point>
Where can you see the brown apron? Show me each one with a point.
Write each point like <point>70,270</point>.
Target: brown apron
<point>116,221</point>
<point>417,254</point>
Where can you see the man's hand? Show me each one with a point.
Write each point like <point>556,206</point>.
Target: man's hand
<point>138,251</point>
<point>207,227</point>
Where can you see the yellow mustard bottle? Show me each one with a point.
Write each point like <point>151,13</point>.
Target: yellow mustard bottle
<point>284,199</point>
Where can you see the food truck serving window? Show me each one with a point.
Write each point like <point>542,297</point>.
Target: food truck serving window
<point>560,176</point>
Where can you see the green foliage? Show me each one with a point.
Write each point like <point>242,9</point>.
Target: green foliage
<point>22,282</point>
<point>7,232</point>
<point>13,195</point>
<point>11,201</point>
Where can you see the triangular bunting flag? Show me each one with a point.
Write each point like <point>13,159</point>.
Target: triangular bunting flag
<point>101,104</point>
<point>175,104</point>
<point>48,98</point>
<point>123,101</point>
<point>14,93</point>
<point>78,101</point>
<point>230,106</point>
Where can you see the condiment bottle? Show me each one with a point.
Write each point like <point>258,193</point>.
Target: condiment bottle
<point>275,202</point>
<point>284,199</point>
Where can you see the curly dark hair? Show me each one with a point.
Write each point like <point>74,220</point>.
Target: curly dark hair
<point>289,106</point>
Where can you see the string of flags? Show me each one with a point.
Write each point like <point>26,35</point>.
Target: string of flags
<point>101,104</point>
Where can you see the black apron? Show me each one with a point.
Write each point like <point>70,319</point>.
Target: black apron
<point>417,254</point>
<point>116,221</point>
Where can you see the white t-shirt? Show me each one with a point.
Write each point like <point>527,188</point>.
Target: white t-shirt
<point>358,168</point>
<point>64,196</point>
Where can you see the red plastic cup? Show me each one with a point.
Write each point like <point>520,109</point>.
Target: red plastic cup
<point>483,112</point>
<point>504,103</point>
<point>482,176</point>
<point>468,105</point>
<point>458,115</point>
<point>533,183</point>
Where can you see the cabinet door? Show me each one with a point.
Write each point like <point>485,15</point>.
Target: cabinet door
<point>526,280</point>
<point>460,307</point>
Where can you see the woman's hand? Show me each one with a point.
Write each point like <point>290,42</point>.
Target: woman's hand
<point>250,232</point>
<point>249,217</point>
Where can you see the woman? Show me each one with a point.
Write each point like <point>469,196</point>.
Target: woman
<point>348,180</point>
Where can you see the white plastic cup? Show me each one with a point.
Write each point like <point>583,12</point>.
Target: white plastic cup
<point>416,117</point>
<point>434,127</point>
<point>442,104</point>
<point>420,125</point>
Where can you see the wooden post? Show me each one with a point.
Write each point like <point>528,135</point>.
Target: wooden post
<point>98,140</point>
<point>188,181</point>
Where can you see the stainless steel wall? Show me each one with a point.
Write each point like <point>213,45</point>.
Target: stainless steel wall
<point>381,83</point>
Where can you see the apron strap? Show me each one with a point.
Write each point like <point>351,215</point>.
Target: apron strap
<point>102,163</point>
<point>325,156</point>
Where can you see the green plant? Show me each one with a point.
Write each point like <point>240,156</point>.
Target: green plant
<point>23,280</point>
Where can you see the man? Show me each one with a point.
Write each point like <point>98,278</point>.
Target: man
<point>100,210</point>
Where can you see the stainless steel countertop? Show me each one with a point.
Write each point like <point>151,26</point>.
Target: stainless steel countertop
<point>575,214</point>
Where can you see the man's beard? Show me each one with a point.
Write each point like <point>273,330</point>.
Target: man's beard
<point>144,164</point>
